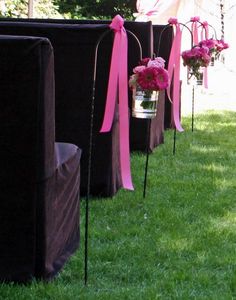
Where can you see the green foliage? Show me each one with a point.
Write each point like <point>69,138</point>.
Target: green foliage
<point>177,243</point>
<point>97,9</point>
<point>46,9</point>
<point>74,9</point>
<point>14,8</point>
<point>19,9</point>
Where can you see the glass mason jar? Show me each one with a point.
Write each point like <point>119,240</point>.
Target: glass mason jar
<point>199,78</point>
<point>195,78</point>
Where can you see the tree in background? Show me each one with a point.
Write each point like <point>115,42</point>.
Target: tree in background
<point>96,9</point>
<point>19,9</point>
<point>74,9</point>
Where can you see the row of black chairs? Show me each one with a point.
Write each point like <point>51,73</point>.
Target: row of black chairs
<point>46,77</point>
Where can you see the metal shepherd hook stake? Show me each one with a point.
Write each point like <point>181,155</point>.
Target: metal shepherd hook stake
<point>91,145</point>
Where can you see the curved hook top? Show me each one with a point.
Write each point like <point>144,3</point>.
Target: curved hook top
<point>171,25</point>
<point>138,43</point>
<point>203,25</point>
<point>103,35</point>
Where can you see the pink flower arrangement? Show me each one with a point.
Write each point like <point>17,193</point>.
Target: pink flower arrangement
<point>150,75</point>
<point>215,46</point>
<point>195,58</point>
<point>202,54</point>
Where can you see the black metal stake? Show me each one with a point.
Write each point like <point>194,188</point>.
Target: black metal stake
<point>88,188</point>
<point>147,157</point>
<point>90,159</point>
<point>174,143</point>
<point>86,241</point>
<point>193,107</point>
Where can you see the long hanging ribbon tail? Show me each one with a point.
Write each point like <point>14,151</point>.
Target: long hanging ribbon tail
<point>195,32</point>
<point>118,78</point>
<point>205,29</point>
<point>174,72</point>
<point>124,118</point>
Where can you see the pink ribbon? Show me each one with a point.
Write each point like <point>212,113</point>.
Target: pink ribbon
<point>205,29</point>
<point>174,72</point>
<point>195,21</point>
<point>118,86</point>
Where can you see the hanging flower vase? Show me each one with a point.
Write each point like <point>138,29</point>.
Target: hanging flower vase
<point>144,103</point>
<point>195,78</point>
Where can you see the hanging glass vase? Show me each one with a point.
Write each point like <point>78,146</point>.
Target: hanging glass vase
<point>195,78</point>
<point>199,77</point>
<point>144,103</point>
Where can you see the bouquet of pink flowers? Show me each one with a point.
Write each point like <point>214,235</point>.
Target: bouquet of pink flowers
<point>150,75</point>
<point>215,46</point>
<point>195,58</point>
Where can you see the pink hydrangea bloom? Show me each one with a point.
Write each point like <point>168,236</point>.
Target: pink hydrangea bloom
<point>158,62</point>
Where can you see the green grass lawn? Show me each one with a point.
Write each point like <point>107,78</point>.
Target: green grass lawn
<point>177,243</point>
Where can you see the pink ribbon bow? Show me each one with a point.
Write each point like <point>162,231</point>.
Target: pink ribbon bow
<point>174,72</point>
<point>118,86</point>
<point>173,21</point>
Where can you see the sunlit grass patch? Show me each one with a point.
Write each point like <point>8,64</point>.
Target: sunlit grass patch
<point>177,243</point>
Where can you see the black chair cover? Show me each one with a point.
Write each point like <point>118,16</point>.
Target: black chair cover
<point>39,179</point>
<point>74,45</point>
